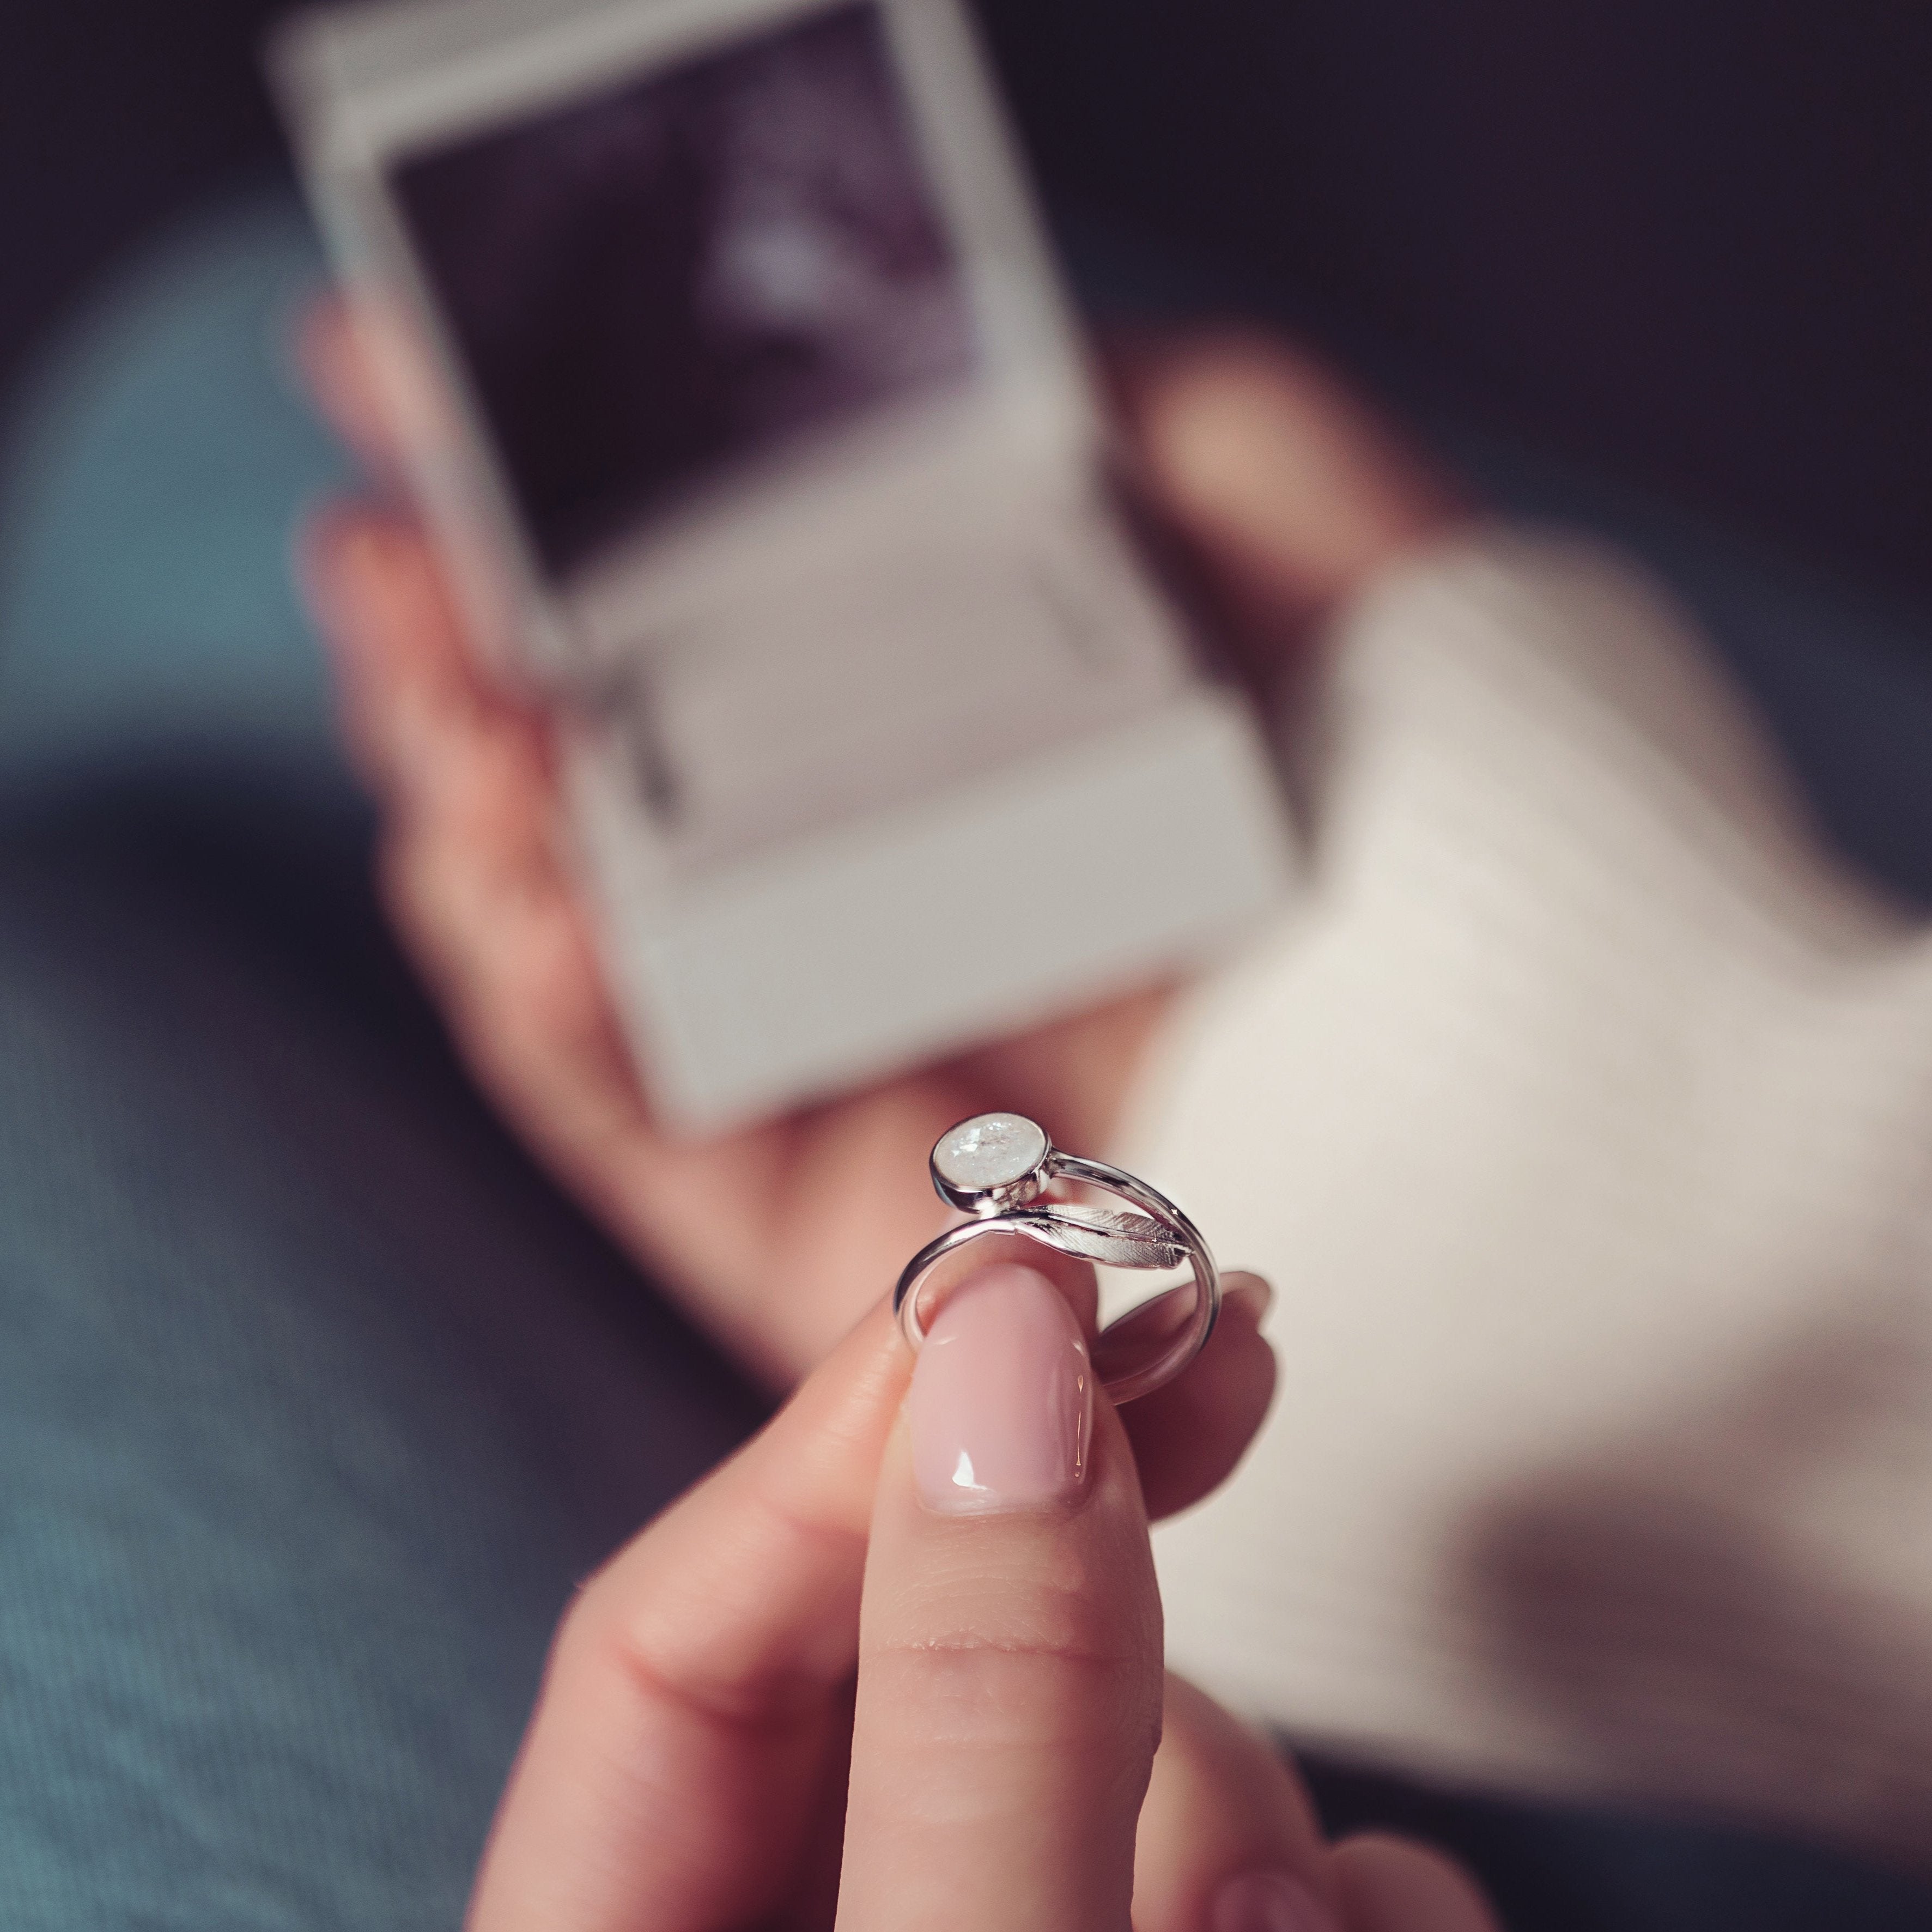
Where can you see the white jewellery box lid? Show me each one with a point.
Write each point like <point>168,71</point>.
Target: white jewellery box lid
<point>741,396</point>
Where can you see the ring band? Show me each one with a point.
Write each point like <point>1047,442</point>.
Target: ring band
<point>995,1168</point>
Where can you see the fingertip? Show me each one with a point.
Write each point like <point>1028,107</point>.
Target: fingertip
<point>1001,1403</point>
<point>1247,1295</point>
<point>1388,1884</point>
<point>333,355</point>
<point>320,335</point>
<point>339,568</point>
<point>1189,1436</point>
<point>1292,486</point>
<point>378,590</point>
<point>374,588</point>
<point>408,696</point>
<point>356,533</point>
<point>1228,1839</point>
<point>1268,1901</point>
<point>322,531</point>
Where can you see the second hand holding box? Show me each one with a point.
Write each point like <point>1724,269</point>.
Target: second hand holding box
<point>742,400</point>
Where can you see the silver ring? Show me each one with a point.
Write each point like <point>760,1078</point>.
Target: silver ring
<point>996,1169</point>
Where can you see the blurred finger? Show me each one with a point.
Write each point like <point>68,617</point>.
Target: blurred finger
<point>1291,488</point>
<point>404,678</point>
<point>469,860</point>
<point>1388,1884</point>
<point>1189,1435</point>
<point>336,366</point>
<point>1009,1672</point>
<point>1228,1841</point>
<point>371,375</point>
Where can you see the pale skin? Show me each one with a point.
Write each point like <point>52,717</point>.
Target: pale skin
<point>695,1734</point>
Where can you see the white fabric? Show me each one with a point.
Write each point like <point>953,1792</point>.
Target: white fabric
<point>1581,1115</point>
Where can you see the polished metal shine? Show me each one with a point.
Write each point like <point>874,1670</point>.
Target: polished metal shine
<point>996,1169</point>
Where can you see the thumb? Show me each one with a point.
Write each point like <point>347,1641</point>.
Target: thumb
<point>1290,488</point>
<point>1228,1842</point>
<point>1390,1885</point>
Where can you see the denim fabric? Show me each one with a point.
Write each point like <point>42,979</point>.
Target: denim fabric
<point>315,1401</point>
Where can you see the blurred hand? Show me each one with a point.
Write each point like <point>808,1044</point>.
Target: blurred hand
<point>964,1668</point>
<point>1288,493</point>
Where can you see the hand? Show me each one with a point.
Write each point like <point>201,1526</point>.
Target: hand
<point>775,1238</point>
<point>832,1624</point>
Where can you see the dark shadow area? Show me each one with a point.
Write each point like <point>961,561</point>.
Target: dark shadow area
<point>1683,245</point>
<point>115,114</point>
<point>1679,243</point>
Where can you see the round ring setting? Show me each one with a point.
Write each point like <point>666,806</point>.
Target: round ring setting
<point>997,1169</point>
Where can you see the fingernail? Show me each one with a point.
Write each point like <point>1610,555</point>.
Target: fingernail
<point>1002,1398</point>
<point>1269,1902</point>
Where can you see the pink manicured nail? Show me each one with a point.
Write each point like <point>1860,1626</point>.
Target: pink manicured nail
<point>1269,1902</point>
<point>1002,1397</point>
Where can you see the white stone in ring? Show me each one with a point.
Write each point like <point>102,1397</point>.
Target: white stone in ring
<point>990,1150</point>
<point>996,1169</point>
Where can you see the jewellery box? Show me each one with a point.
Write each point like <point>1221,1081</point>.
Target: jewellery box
<point>742,400</point>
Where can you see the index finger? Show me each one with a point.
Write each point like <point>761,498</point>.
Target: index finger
<point>1010,1670</point>
<point>692,1722</point>
<point>370,376</point>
